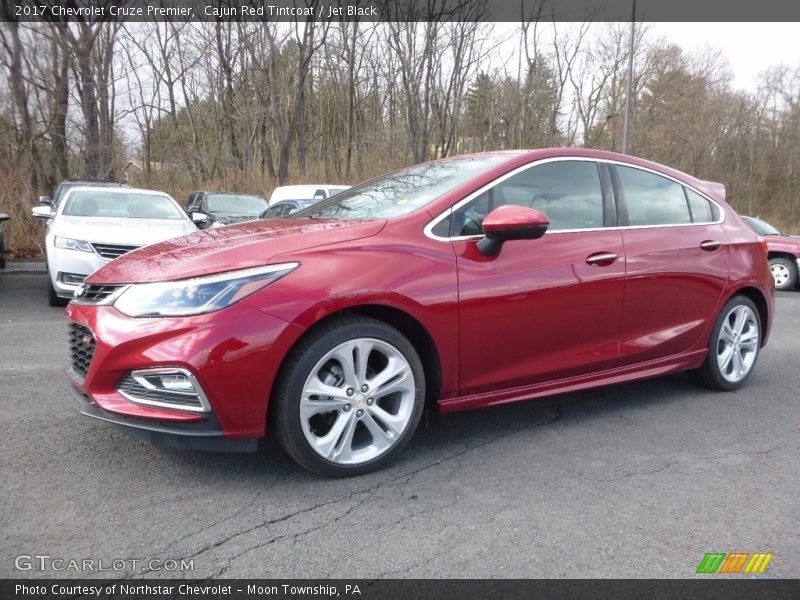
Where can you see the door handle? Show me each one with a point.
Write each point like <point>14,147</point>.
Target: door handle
<point>601,259</point>
<point>710,245</point>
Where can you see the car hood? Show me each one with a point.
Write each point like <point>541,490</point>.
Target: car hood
<point>239,246</point>
<point>133,232</point>
<point>783,243</point>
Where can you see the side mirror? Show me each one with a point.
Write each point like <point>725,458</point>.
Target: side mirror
<point>192,208</point>
<point>4,217</point>
<point>45,200</point>
<point>199,218</point>
<point>511,222</point>
<point>42,212</point>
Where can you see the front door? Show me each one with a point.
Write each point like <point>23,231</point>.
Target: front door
<point>541,309</point>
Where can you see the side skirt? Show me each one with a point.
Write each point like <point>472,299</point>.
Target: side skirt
<point>653,368</point>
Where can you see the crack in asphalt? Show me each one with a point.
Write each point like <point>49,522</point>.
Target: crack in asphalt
<point>369,490</point>
<point>669,465</point>
<point>293,536</point>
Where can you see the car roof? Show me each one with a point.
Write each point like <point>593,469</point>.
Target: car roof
<point>112,190</point>
<point>94,182</point>
<point>228,193</point>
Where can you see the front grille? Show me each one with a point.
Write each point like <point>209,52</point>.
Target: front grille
<point>81,348</point>
<point>95,294</point>
<point>139,393</point>
<point>112,251</point>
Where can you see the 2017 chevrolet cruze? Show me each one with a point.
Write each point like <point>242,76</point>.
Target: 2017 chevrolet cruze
<point>467,282</point>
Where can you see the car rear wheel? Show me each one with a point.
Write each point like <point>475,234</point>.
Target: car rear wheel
<point>349,397</point>
<point>733,348</point>
<point>784,272</point>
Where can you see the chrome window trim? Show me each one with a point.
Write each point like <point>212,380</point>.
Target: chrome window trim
<point>138,376</point>
<point>428,230</point>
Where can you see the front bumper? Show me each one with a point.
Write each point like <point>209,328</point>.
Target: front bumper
<point>234,354</point>
<point>205,435</point>
<point>61,260</point>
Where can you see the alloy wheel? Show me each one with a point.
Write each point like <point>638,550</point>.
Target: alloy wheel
<point>357,401</point>
<point>737,344</point>
<point>781,274</point>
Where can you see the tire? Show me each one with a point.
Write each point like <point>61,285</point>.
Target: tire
<point>784,272</point>
<point>733,347</point>
<point>52,297</point>
<point>358,429</point>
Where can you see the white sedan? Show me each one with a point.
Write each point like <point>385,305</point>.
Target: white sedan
<point>94,225</point>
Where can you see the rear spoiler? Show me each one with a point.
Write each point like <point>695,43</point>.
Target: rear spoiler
<point>713,188</point>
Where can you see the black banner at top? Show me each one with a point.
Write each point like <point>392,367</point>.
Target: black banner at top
<point>400,10</point>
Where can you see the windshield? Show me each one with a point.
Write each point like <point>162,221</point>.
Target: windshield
<point>761,227</point>
<point>122,205</point>
<point>234,204</point>
<point>402,192</point>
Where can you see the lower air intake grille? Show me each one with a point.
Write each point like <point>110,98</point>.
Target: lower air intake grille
<point>81,348</point>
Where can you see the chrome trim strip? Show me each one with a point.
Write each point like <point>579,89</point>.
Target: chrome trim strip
<point>75,375</point>
<point>110,299</point>
<point>428,230</point>
<point>138,374</point>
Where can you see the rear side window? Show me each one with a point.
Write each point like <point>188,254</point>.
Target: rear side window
<point>702,210</point>
<point>652,199</point>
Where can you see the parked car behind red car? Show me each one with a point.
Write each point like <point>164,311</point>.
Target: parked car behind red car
<point>467,282</point>
<point>783,253</point>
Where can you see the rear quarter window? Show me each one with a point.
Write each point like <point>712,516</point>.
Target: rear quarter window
<point>702,210</point>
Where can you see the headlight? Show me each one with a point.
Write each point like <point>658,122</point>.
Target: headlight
<point>70,244</point>
<point>199,295</point>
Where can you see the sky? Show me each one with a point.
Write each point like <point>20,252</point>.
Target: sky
<point>749,47</point>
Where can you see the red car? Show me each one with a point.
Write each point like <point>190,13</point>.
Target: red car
<point>783,253</point>
<point>466,282</point>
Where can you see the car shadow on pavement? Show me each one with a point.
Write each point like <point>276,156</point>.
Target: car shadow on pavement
<point>442,436</point>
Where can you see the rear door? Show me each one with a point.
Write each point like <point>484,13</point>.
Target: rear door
<point>541,309</point>
<point>677,264</point>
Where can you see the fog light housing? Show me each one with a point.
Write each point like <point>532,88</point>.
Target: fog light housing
<point>72,278</point>
<point>171,387</point>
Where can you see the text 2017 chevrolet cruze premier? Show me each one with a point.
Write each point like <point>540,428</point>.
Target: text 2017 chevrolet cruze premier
<point>466,282</point>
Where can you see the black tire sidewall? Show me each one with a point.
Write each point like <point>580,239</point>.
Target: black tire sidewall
<point>285,405</point>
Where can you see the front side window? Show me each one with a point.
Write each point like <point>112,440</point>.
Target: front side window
<point>652,199</point>
<point>568,192</point>
<point>122,205</point>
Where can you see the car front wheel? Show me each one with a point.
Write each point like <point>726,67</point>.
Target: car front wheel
<point>784,272</point>
<point>53,299</point>
<point>349,397</point>
<point>733,348</point>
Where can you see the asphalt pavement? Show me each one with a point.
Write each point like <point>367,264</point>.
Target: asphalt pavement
<point>636,480</point>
